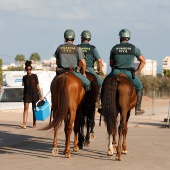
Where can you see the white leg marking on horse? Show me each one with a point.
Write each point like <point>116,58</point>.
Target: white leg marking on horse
<point>92,136</point>
<point>124,152</point>
<point>110,147</point>
<point>55,151</point>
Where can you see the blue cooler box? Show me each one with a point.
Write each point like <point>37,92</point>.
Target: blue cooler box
<point>42,112</point>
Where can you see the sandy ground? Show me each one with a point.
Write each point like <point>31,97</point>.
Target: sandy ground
<point>156,111</point>
<point>28,149</point>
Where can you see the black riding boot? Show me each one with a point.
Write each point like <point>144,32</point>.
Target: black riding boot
<point>138,110</point>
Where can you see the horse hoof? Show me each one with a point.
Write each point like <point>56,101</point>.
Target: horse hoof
<point>86,143</point>
<point>118,158</point>
<point>92,136</point>
<point>76,149</point>
<point>80,146</point>
<point>109,153</point>
<point>124,152</point>
<point>67,155</point>
<point>55,151</point>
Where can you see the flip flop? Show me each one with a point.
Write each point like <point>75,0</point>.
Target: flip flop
<point>22,126</point>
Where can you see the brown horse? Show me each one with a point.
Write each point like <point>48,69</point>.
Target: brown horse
<point>88,112</point>
<point>118,96</point>
<point>67,96</point>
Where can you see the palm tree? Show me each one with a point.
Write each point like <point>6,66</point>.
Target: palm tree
<point>35,57</point>
<point>20,58</point>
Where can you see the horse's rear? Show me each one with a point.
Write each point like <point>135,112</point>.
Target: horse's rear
<point>118,96</point>
<point>67,96</point>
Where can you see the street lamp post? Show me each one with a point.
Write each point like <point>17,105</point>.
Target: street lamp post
<point>153,94</point>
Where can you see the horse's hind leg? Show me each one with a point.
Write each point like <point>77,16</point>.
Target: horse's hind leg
<point>76,131</point>
<point>124,145</point>
<point>110,147</point>
<point>112,143</point>
<point>87,141</point>
<point>68,131</point>
<point>92,124</point>
<point>114,138</point>
<point>122,133</point>
<point>121,130</point>
<point>55,149</point>
<point>81,132</point>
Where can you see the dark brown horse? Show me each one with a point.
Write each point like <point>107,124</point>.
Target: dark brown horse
<point>118,96</point>
<point>67,96</point>
<point>88,112</point>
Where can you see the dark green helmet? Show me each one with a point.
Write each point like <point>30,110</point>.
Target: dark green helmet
<point>69,34</point>
<point>86,34</point>
<point>125,33</point>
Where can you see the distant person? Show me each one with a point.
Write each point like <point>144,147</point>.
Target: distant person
<point>31,94</point>
<point>122,61</point>
<point>91,55</point>
<point>69,56</point>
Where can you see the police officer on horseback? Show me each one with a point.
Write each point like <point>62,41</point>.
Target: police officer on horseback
<point>91,55</point>
<point>69,56</point>
<point>122,60</point>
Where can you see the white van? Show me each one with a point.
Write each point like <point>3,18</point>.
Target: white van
<point>11,96</point>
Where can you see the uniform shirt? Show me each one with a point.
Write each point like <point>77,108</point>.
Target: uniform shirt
<point>123,55</point>
<point>90,52</point>
<point>68,55</point>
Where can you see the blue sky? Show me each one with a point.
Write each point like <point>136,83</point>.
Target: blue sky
<point>38,25</point>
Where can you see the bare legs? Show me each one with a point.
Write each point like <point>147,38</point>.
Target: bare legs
<point>25,116</point>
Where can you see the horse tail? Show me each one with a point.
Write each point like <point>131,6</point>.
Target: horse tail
<point>61,103</point>
<point>109,105</point>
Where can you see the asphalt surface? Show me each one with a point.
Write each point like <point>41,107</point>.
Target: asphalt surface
<point>148,145</point>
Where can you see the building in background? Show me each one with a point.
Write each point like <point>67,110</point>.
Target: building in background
<point>49,64</point>
<point>5,67</point>
<point>166,63</point>
<point>150,67</point>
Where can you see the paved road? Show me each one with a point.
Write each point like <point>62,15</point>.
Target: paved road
<point>148,145</point>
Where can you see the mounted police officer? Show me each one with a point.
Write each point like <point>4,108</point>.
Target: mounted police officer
<point>69,56</point>
<point>91,55</point>
<point>122,60</point>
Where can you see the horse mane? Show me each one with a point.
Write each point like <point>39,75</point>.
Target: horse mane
<point>109,105</point>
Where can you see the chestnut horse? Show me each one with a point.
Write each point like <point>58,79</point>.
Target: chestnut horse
<point>118,96</point>
<point>67,96</point>
<point>88,112</point>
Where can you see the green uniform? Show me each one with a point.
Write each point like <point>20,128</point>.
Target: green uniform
<point>123,56</point>
<point>69,55</point>
<point>91,55</point>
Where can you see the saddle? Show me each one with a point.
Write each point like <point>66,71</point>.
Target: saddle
<point>63,70</point>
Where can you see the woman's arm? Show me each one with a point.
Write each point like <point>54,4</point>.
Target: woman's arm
<point>39,91</point>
